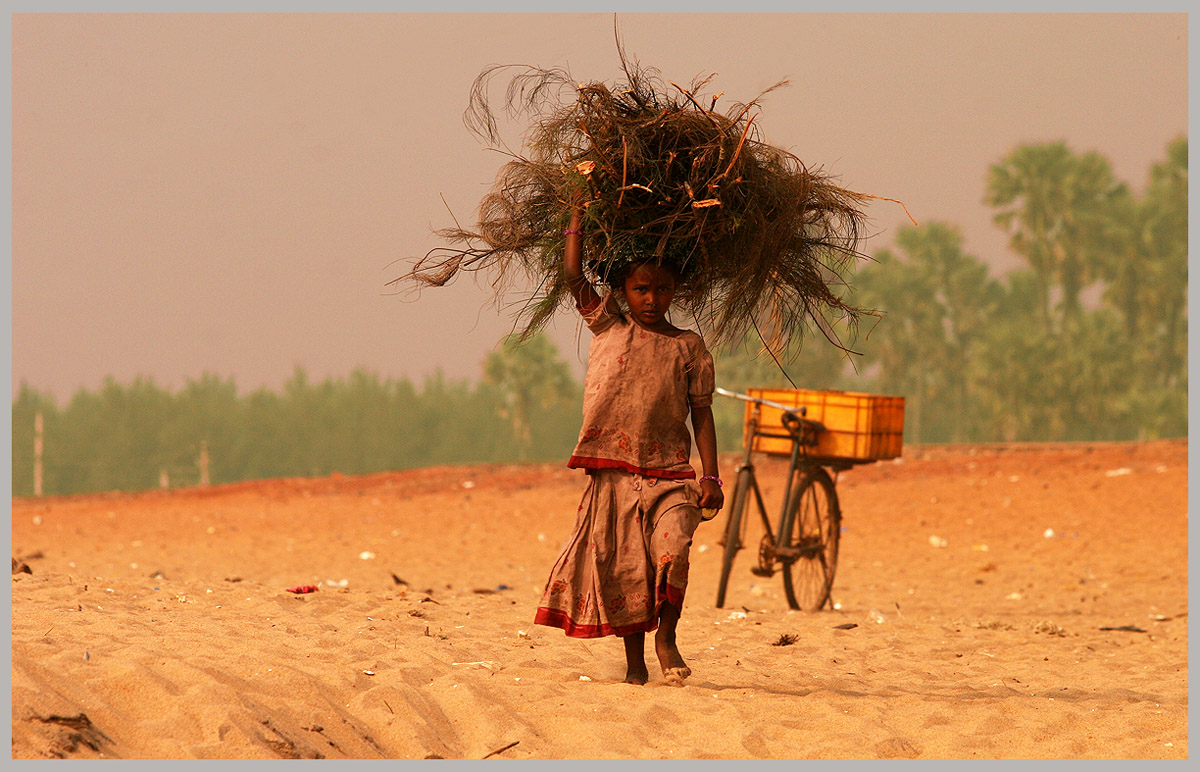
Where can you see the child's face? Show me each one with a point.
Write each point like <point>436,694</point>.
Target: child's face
<point>649,290</point>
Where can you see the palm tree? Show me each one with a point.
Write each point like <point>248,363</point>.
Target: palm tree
<point>1165,243</point>
<point>1055,206</point>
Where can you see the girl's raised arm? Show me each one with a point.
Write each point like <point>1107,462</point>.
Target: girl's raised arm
<point>577,283</point>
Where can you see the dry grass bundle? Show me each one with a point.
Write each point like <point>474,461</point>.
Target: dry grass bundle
<point>759,240</point>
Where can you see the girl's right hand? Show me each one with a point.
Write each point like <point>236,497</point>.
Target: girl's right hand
<point>711,495</point>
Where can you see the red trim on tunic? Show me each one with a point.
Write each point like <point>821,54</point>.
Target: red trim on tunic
<point>584,462</point>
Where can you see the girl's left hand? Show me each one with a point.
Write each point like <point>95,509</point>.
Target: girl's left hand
<point>711,496</point>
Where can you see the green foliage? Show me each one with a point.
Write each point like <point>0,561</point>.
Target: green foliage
<point>1148,283</point>
<point>126,437</point>
<point>530,379</point>
<point>938,304</point>
<point>1058,209</point>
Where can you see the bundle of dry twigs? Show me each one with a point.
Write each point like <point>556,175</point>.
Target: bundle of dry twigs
<point>760,240</point>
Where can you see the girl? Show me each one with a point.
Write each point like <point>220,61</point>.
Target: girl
<point>624,569</point>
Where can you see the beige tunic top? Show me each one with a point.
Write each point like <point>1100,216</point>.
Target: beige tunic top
<point>638,391</point>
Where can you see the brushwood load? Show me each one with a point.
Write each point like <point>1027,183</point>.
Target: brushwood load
<point>759,240</point>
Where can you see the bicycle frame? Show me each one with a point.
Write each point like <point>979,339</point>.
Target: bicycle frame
<point>804,544</point>
<point>802,435</point>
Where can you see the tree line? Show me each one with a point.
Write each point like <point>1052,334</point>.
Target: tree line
<point>1087,340</point>
<point>139,435</point>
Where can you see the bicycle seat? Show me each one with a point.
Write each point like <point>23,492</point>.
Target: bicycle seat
<point>804,430</point>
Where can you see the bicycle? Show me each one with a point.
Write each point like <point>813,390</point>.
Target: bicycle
<point>805,543</point>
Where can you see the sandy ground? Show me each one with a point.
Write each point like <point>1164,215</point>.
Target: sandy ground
<point>994,602</point>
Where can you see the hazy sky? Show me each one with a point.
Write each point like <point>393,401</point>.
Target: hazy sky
<point>227,193</point>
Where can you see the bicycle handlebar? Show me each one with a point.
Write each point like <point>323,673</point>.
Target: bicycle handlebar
<point>793,418</point>
<point>767,402</point>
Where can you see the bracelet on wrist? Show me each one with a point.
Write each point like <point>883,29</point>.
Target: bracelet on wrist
<point>715,479</point>
<point>569,231</point>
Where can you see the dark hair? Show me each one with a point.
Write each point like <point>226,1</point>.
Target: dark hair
<point>626,254</point>
<point>618,273</point>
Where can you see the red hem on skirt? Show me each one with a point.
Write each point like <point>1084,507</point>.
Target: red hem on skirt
<point>585,462</point>
<point>673,595</point>
<point>555,618</point>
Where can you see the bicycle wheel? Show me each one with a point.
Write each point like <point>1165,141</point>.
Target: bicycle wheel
<point>815,524</point>
<point>733,529</point>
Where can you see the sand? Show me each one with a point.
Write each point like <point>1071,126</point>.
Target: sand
<point>1007,601</point>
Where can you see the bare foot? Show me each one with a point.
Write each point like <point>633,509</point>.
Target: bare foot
<point>673,667</point>
<point>674,675</point>
<point>637,675</point>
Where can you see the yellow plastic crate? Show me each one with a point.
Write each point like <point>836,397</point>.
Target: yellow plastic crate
<point>858,427</point>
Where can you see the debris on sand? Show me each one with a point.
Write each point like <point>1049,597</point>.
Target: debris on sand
<point>502,749</point>
<point>1049,628</point>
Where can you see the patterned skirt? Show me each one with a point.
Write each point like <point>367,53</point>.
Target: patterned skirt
<point>627,556</point>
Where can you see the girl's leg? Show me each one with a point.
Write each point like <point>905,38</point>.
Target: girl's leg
<point>670,541</point>
<point>669,658</point>
<point>635,659</point>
